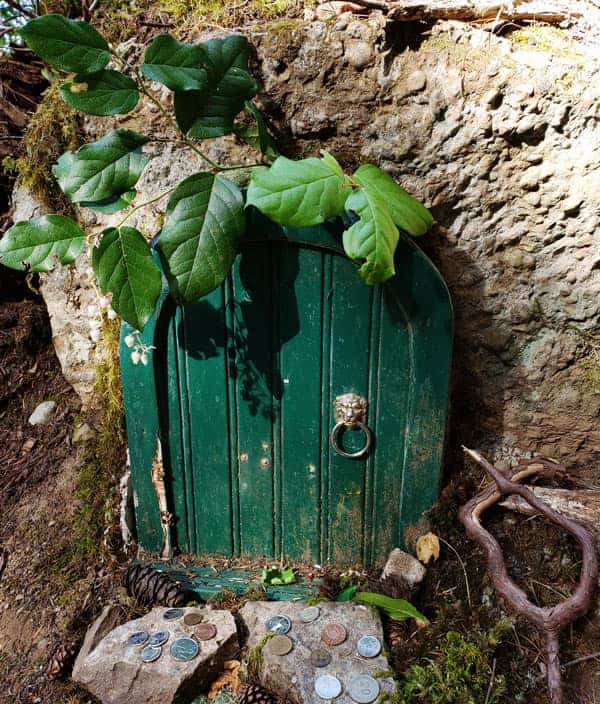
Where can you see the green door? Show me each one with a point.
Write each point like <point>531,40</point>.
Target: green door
<point>242,392</point>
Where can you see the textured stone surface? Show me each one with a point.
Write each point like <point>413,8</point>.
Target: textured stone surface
<point>501,139</point>
<point>113,672</point>
<point>405,566</point>
<point>292,675</point>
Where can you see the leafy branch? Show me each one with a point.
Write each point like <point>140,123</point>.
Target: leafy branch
<point>205,214</point>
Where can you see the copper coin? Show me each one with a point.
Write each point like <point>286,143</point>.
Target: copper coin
<point>205,631</point>
<point>280,645</point>
<point>334,634</point>
<point>193,618</point>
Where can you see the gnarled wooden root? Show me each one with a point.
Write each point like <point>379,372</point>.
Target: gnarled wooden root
<point>550,619</point>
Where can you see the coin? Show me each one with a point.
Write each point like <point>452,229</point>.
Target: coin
<point>279,645</point>
<point>368,647</point>
<point>205,631</point>
<point>173,614</point>
<point>184,649</point>
<point>328,687</point>
<point>158,638</point>
<point>363,689</point>
<point>334,634</point>
<point>150,654</point>
<point>193,618</point>
<point>320,657</point>
<point>279,624</point>
<point>138,638</point>
<point>310,614</point>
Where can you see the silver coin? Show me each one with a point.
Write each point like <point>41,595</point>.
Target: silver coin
<point>310,614</point>
<point>173,614</point>
<point>368,647</point>
<point>363,689</point>
<point>279,624</point>
<point>328,687</point>
<point>185,649</point>
<point>150,654</point>
<point>158,638</point>
<point>138,638</point>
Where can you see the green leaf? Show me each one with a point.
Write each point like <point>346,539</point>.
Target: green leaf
<point>40,241</point>
<point>278,575</point>
<point>298,193</point>
<point>348,593</point>
<point>210,112</point>
<point>257,135</point>
<point>103,169</point>
<point>70,45</point>
<point>199,241</point>
<point>396,609</point>
<point>407,212</point>
<point>177,65</point>
<point>373,237</point>
<point>111,205</point>
<point>102,93</point>
<point>124,266</point>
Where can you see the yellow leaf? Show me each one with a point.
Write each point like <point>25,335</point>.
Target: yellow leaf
<point>230,677</point>
<point>428,548</point>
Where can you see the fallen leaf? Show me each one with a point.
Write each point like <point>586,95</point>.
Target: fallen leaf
<point>230,677</point>
<point>28,446</point>
<point>428,548</point>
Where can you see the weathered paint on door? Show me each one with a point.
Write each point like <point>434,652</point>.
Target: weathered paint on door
<point>241,391</point>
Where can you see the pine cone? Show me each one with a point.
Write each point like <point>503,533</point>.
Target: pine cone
<point>61,661</point>
<point>153,588</point>
<point>253,694</point>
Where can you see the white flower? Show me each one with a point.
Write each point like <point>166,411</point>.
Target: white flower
<point>95,324</point>
<point>129,340</point>
<point>112,315</point>
<point>95,334</point>
<point>135,357</point>
<point>92,310</point>
<point>103,302</point>
<point>144,359</point>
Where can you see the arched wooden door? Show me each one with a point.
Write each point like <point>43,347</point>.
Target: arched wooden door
<point>242,388</point>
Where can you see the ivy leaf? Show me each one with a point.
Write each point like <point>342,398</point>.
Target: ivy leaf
<point>373,237</point>
<point>396,609</point>
<point>348,593</point>
<point>177,65</point>
<point>407,212</point>
<point>299,193</point>
<point>103,169</point>
<point>102,93</point>
<point>111,205</point>
<point>278,575</point>
<point>70,45</point>
<point>199,241</point>
<point>210,112</point>
<point>124,266</point>
<point>38,243</point>
<point>257,135</point>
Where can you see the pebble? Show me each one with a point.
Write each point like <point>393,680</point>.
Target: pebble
<point>359,54</point>
<point>43,413</point>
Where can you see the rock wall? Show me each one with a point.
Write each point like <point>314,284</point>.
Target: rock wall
<point>501,138</point>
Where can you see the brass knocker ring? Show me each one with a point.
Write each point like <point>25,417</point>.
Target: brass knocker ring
<point>350,412</point>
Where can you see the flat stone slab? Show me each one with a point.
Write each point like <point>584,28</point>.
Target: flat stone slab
<point>114,672</point>
<point>293,676</point>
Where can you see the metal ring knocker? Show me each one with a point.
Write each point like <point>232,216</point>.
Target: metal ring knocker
<point>351,412</point>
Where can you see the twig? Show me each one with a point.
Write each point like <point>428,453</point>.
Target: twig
<point>548,620</point>
<point>491,684</point>
<point>462,564</point>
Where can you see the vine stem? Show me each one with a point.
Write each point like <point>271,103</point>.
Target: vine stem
<point>143,205</point>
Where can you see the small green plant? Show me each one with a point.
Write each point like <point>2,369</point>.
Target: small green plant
<point>205,214</point>
<point>274,576</point>
<point>463,673</point>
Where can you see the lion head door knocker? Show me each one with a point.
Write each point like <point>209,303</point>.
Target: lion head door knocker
<point>351,412</point>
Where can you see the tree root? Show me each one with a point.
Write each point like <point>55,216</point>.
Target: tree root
<point>548,620</point>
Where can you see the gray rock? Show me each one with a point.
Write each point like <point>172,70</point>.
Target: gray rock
<point>359,54</point>
<point>416,82</point>
<point>82,434</point>
<point>114,673</point>
<point>404,566</point>
<point>43,413</point>
<point>292,676</point>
